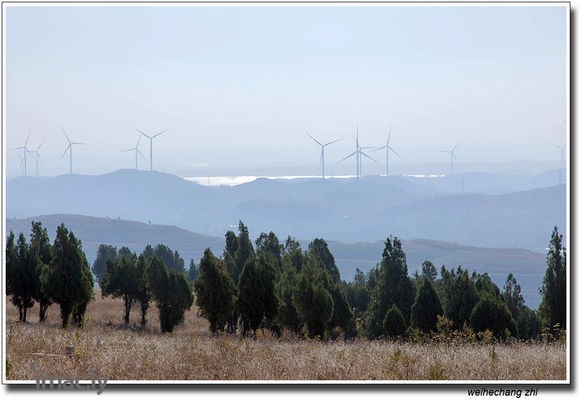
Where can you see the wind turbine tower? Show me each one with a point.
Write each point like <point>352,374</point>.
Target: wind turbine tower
<point>151,145</point>
<point>25,151</point>
<point>137,151</point>
<point>451,155</point>
<point>70,150</point>
<point>322,147</point>
<point>359,154</point>
<point>388,148</point>
<point>37,154</point>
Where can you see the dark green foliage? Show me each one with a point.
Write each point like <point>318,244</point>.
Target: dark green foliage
<point>287,314</point>
<point>458,295</point>
<point>426,307</point>
<point>41,247</point>
<point>319,249</point>
<point>69,281</point>
<point>357,292</point>
<point>142,295</point>
<point>313,302</point>
<point>394,287</point>
<point>193,272</point>
<point>552,309</point>
<point>256,292</point>
<point>214,291</point>
<point>294,251</point>
<point>269,247</point>
<point>171,291</point>
<point>245,250</point>
<point>485,287</point>
<point>394,324</point>
<point>171,259</point>
<point>104,254</point>
<point>528,324</point>
<point>22,280</point>
<point>122,280</point>
<point>491,314</point>
<point>429,270</point>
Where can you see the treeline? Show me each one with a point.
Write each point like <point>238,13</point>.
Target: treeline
<point>281,287</point>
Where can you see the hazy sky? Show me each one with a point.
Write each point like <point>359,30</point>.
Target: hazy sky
<point>239,86</point>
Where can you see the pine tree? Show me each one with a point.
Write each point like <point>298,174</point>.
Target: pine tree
<point>214,291</point>
<point>121,280</point>
<point>458,295</point>
<point>69,281</point>
<point>491,314</point>
<point>553,306</point>
<point>426,307</point>
<point>41,247</point>
<point>394,324</point>
<point>394,287</point>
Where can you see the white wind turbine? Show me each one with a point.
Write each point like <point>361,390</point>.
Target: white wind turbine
<point>37,154</point>
<point>322,146</point>
<point>451,155</point>
<point>388,148</point>
<point>25,151</point>
<point>359,154</point>
<point>151,145</point>
<point>70,150</point>
<point>137,151</point>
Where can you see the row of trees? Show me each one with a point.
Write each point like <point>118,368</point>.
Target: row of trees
<point>38,271</point>
<point>279,286</point>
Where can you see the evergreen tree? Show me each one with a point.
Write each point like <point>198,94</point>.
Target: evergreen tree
<point>429,270</point>
<point>269,247</point>
<point>214,291</point>
<point>313,302</point>
<point>294,251</point>
<point>104,254</point>
<point>491,314</point>
<point>41,247</point>
<point>257,297</point>
<point>394,323</point>
<point>458,295</point>
<point>287,314</point>
<point>319,249</point>
<point>171,259</point>
<point>394,287</point>
<point>245,250</point>
<point>69,281</point>
<point>121,280</point>
<point>552,309</point>
<point>21,274</point>
<point>426,307</point>
<point>357,293</point>
<point>142,294</point>
<point>171,291</point>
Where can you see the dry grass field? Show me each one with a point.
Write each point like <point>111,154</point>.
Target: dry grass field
<point>106,347</point>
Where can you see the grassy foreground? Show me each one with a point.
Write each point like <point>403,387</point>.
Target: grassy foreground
<point>104,346</point>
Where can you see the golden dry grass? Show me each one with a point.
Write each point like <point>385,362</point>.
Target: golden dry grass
<point>106,347</point>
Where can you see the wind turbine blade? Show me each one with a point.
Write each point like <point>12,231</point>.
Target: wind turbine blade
<point>557,146</point>
<point>389,137</point>
<point>128,149</point>
<point>332,142</point>
<point>17,148</point>
<point>453,149</point>
<point>368,156</point>
<point>318,142</point>
<point>67,139</point>
<point>65,151</point>
<point>41,143</point>
<point>82,144</point>
<point>444,151</point>
<point>347,157</point>
<point>158,134</point>
<point>26,142</point>
<point>146,135</point>
<point>141,154</point>
<point>379,148</point>
<point>396,153</point>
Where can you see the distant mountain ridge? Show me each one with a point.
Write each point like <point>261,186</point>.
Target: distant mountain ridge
<point>528,267</point>
<point>344,210</point>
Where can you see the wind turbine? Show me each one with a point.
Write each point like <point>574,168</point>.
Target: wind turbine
<point>25,150</point>
<point>137,151</point>
<point>388,148</point>
<point>322,146</point>
<point>451,155</point>
<point>37,153</point>
<point>151,145</point>
<point>562,149</point>
<point>70,149</point>
<point>359,154</point>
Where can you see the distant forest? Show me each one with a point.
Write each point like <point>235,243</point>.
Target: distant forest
<point>281,287</point>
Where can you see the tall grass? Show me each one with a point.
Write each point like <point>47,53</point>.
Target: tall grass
<point>105,347</point>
